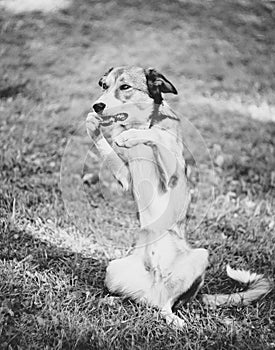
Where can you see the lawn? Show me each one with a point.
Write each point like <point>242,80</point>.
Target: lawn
<point>60,226</point>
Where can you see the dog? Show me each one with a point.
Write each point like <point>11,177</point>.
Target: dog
<point>146,156</point>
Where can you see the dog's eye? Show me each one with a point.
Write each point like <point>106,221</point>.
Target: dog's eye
<point>125,87</point>
<point>104,86</point>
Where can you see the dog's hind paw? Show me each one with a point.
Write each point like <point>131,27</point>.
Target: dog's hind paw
<point>171,319</point>
<point>175,321</point>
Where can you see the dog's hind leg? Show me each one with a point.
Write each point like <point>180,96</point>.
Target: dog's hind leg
<point>170,318</point>
<point>167,311</point>
<point>185,282</point>
<point>189,270</point>
<point>128,277</point>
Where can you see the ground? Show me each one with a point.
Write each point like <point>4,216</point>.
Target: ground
<point>58,232</point>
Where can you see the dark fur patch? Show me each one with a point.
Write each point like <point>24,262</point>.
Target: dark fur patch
<point>190,293</point>
<point>157,84</point>
<point>101,81</point>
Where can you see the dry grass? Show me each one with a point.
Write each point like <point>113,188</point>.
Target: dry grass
<point>220,56</point>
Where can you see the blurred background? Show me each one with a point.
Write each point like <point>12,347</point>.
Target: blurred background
<point>218,54</point>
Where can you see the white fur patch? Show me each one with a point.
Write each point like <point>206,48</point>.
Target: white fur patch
<point>242,276</point>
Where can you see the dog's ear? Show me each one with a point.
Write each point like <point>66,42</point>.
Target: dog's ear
<point>157,84</point>
<point>100,83</point>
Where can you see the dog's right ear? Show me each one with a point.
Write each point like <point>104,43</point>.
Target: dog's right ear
<point>100,83</point>
<point>157,84</point>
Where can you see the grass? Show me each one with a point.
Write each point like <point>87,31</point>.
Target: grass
<point>57,236</point>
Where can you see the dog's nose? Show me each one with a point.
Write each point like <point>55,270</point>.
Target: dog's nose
<point>98,107</point>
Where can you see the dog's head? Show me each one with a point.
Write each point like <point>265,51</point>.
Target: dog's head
<point>128,91</point>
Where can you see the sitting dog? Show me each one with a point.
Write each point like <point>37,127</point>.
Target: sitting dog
<point>147,157</point>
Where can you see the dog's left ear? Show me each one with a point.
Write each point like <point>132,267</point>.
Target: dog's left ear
<point>100,83</point>
<point>157,84</point>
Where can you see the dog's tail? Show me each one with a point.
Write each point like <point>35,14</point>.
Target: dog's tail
<point>257,286</point>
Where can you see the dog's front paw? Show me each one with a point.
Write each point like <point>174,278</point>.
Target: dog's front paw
<point>128,139</point>
<point>123,141</point>
<point>92,125</point>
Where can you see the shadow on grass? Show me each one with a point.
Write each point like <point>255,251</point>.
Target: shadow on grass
<point>44,287</point>
<point>50,297</point>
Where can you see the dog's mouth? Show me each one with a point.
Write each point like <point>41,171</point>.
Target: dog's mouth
<point>109,119</point>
